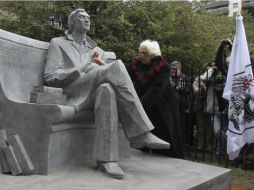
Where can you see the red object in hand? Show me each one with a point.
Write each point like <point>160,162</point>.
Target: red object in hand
<point>96,54</point>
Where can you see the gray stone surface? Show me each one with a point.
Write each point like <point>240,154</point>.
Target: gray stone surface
<point>12,160</point>
<point>142,172</point>
<point>4,165</point>
<point>3,138</point>
<point>47,98</point>
<point>106,124</point>
<point>18,73</point>
<point>26,57</point>
<point>23,159</point>
<point>75,140</point>
<point>32,122</point>
<point>47,89</point>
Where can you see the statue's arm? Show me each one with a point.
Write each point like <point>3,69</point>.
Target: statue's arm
<point>56,73</point>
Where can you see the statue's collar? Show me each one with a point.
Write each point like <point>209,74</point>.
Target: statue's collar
<point>87,39</point>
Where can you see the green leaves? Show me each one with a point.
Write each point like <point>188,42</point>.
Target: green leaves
<point>189,36</point>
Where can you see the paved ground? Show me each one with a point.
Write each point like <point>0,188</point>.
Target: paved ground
<point>143,172</point>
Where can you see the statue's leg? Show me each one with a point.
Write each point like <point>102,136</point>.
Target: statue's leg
<point>106,124</point>
<point>136,123</point>
<point>133,117</point>
<point>105,150</point>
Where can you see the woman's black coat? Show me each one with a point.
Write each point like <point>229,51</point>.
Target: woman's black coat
<point>160,101</point>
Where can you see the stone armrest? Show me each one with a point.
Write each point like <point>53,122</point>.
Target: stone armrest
<point>49,113</point>
<point>33,123</point>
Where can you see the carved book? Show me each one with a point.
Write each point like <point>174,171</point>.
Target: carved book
<point>47,89</point>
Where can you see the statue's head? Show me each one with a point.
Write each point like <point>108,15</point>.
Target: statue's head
<point>78,20</point>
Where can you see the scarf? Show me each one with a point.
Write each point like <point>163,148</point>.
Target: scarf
<point>144,72</point>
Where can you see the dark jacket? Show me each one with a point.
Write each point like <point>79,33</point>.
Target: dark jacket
<point>160,101</point>
<point>183,87</point>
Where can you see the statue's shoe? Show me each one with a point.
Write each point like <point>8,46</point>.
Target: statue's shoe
<point>111,168</point>
<point>148,140</point>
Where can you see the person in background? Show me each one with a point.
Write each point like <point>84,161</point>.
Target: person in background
<point>212,82</point>
<point>150,75</point>
<point>202,118</point>
<point>223,56</point>
<point>182,84</point>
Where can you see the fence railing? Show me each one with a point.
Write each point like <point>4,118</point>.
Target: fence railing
<point>204,122</point>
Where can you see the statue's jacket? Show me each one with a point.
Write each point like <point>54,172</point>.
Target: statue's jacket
<point>65,58</point>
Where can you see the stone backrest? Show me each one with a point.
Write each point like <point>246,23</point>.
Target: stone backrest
<point>22,62</point>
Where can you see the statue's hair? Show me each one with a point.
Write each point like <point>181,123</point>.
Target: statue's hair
<point>176,63</point>
<point>71,18</point>
<point>152,47</point>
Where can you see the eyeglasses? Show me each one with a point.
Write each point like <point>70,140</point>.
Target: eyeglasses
<point>173,69</point>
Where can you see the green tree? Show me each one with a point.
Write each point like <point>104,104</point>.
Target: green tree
<point>185,34</point>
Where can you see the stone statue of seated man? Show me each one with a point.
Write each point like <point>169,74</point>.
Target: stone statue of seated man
<point>90,83</point>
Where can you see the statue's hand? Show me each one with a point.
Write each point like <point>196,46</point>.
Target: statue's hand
<point>99,61</point>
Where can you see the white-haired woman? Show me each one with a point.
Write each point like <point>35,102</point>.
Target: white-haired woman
<point>150,75</point>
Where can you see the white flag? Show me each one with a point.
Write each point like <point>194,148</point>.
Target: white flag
<point>239,90</point>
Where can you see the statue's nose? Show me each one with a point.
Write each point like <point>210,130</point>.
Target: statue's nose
<point>87,20</point>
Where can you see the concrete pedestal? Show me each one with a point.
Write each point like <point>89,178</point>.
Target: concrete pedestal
<point>142,172</point>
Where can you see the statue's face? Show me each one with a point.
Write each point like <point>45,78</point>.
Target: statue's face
<point>82,22</point>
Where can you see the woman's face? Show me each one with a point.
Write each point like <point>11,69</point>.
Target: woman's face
<point>145,57</point>
<point>173,71</point>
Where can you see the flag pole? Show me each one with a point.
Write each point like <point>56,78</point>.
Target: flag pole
<point>239,7</point>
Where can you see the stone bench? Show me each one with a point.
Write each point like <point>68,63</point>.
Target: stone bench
<point>51,134</point>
